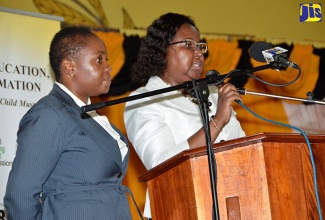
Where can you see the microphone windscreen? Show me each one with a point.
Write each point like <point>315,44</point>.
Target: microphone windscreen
<point>211,73</point>
<point>255,51</point>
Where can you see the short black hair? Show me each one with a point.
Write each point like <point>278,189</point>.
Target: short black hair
<point>151,60</point>
<point>67,42</point>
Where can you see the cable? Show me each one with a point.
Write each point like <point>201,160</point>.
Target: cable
<point>263,81</point>
<point>309,148</point>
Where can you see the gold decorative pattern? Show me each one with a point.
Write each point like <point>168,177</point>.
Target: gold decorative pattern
<point>127,20</point>
<point>71,15</point>
<point>99,9</point>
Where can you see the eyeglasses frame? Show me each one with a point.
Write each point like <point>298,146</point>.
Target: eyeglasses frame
<point>197,45</point>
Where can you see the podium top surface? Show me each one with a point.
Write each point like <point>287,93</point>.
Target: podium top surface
<point>228,145</point>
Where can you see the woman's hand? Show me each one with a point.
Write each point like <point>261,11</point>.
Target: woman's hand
<point>227,94</point>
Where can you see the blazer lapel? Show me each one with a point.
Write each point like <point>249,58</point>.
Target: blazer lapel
<point>88,125</point>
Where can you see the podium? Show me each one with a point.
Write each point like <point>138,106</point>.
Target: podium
<point>263,176</point>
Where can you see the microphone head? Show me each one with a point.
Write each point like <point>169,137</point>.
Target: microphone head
<point>255,51</point>
<point>211,73</point>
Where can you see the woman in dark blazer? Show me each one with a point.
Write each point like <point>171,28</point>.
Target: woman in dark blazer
<point>70,165</point>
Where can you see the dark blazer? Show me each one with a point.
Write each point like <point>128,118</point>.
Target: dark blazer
<point>66,166</point>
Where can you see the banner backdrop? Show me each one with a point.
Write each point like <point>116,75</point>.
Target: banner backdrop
<point>25,76</point>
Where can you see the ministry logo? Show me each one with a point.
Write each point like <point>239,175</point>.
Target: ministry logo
<point>310,12</point>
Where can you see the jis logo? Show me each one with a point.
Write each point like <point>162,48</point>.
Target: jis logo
<point>310,12</point>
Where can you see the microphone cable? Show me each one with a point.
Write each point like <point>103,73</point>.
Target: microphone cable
<point>308,145</point>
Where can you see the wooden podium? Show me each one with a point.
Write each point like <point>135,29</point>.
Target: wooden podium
<point>264,176</point>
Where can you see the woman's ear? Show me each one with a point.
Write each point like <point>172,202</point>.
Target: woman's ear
<point>68,67</point>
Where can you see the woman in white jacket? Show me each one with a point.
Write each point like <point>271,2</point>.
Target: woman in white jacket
<point>164,125</point>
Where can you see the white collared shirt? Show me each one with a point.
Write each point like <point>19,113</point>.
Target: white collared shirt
<point>102,120</point>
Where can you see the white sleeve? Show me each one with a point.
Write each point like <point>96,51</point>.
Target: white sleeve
<point>149,133</point>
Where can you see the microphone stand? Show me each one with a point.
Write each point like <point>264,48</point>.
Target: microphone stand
<point>211,80</point>
<point>202,94</point>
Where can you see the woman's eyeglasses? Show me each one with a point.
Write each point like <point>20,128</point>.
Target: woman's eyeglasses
<point>192,45</point>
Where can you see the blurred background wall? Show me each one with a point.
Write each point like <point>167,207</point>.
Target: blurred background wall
<point>277,20</point>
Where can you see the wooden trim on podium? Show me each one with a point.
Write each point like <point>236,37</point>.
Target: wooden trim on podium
<point>263,176</point>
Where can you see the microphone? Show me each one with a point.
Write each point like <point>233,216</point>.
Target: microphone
<point>262,51</point>
<point>212,73</point>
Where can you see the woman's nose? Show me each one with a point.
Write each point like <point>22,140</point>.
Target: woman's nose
<point>108,68</point>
